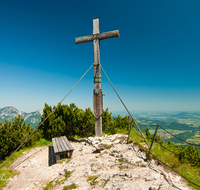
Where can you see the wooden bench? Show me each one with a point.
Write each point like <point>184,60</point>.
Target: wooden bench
<point>62,146</point>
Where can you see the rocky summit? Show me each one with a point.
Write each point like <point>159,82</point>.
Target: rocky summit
<point>105,162</point>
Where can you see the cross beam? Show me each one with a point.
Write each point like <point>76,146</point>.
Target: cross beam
<point>97,93</point>
<point>100,36</point>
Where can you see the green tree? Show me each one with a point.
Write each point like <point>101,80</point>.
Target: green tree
<point>148,134</point>
<point>13,134</point>
<point>88,124</point>
<point>45,125</point>
<point>106,120</point>
<point>170,144</point>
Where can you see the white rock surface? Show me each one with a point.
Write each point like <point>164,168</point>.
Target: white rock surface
<point>118,166</point>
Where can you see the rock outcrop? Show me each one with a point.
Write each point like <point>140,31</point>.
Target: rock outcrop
<point>105,162</point>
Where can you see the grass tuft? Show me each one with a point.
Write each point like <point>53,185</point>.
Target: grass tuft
<point>108,147</point>
<point>72,186</point>
<point>49,185</point>
<point>92,179</point>
<point>67,173</point>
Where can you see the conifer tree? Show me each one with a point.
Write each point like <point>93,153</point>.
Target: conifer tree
<point>13,134</point>
<point>148,134</point>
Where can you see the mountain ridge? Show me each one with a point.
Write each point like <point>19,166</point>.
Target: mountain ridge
<point>10,112</point>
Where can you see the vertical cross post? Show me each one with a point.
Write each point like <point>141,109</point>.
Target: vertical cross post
<point>97,93</point>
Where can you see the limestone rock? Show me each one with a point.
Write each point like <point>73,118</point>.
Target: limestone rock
<point>105,162</point>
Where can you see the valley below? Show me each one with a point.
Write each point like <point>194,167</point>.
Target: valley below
<point>184,125</point>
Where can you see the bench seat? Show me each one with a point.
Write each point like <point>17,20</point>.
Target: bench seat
<point>62,146</point>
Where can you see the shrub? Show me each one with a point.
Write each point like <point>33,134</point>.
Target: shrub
<point>13,134</point>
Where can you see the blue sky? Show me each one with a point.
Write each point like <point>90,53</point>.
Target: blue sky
<point>154,64</point>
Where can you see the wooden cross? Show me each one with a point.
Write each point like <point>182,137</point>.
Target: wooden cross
<point>97,93</point>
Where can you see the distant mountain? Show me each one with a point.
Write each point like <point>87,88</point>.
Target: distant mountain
<point>10,113</point>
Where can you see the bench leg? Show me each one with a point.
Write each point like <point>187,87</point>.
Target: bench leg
<point>57,157</point>
<point>70,153</point>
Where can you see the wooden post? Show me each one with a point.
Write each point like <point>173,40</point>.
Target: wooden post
<point>97,97</point>
<point>129,128</point>
<point>97,93</point>
<point>152,142</point>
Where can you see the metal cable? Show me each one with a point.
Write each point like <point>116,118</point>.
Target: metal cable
<point>179,138</point>
<point>169,181</point>
<point>176,153</point>
<point>76,83</point>
<point>45,118</point>
<point>175,171</point>
<point>169,166</point>
<point>138,134</point>
<point>27,158</point>
<point>124,104</point>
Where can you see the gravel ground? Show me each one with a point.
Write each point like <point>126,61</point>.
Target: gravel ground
<point>121,167</point>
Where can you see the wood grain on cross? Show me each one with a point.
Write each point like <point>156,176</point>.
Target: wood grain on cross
<point>97,97</point>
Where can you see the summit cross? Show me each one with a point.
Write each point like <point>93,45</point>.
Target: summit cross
<point>97,93</point>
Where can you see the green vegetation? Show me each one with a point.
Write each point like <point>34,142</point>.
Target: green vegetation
<point>108,147</point>
<point>49,185</point>
<point>67,174</point>
<point>12,135</point>
<point>114,125</point>
<point>188,168</point>
<point>74,122</point>
<point>67,161</point>
<point>185,125</point>
<point>184,168</point>
<point>92,179</point>
<point>107,180</point>
<point>72,186</point>
<point>5,173</point>
<point>40,142</point>
<point>195,138</point>
<point>58,181</point>
<point>121,160</point>
<point>67,120</point>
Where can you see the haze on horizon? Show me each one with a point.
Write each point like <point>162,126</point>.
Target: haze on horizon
<point>154,64</point>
